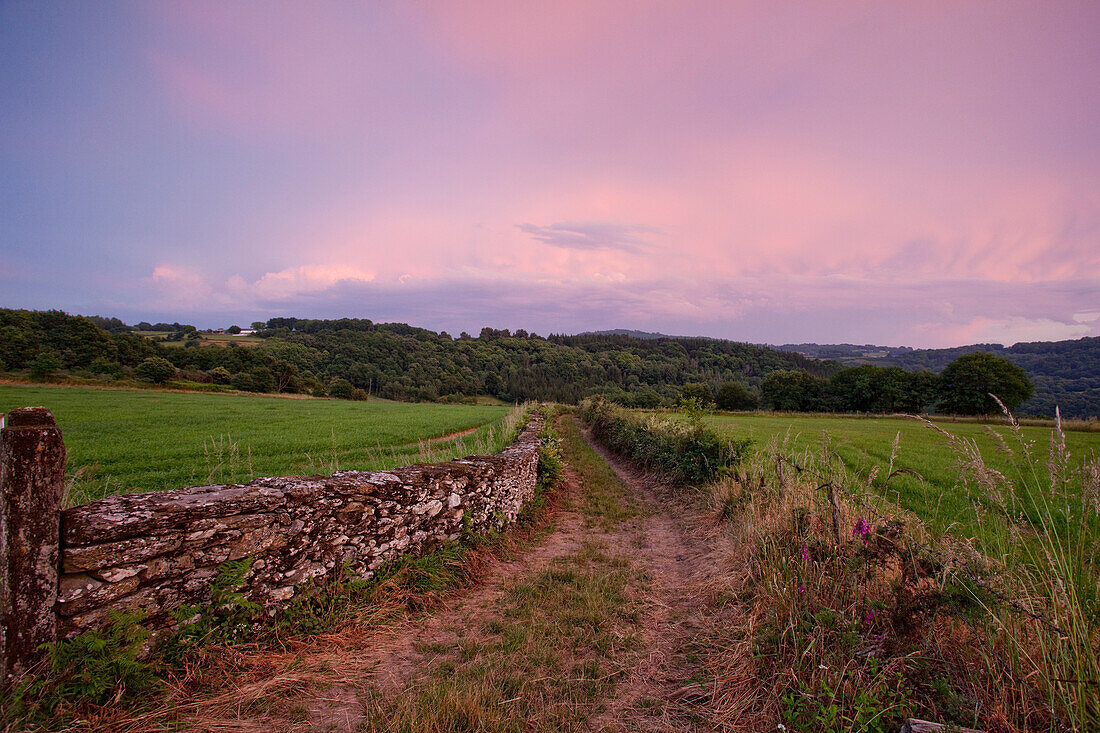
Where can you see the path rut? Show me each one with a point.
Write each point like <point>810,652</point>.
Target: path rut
<point>667,685</point>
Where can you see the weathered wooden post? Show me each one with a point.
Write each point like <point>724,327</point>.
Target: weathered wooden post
<point>32,481</point>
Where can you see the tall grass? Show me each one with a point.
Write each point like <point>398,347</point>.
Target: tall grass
<point>1046,610</point>
<point>892,617</point>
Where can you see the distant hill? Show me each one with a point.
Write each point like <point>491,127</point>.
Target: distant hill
<point>647,335</point>
<point>1065,373</point>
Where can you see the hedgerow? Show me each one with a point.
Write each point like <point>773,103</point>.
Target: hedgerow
<point>685,450</point>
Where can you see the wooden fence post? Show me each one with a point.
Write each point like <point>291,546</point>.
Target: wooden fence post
<point>32,482</point>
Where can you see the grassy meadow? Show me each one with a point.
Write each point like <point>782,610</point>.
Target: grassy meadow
<point>937,494</point>
<point>122,441</point>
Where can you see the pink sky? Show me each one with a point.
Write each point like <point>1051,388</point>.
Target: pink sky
<point>921,173</point>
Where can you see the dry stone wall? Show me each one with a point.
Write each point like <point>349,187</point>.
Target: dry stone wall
<point>156,551</point>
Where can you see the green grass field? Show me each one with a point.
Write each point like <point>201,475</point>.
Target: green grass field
<point>121,441</point>
<point>863,443</point>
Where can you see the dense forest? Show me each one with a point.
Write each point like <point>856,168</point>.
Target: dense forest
<point>393,360</point>
<point>1065,373</point>
<point>355,358</point>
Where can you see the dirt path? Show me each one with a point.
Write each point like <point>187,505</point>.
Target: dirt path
<point>397,654</point>
<point>667,688</point>
<point>602,625</point>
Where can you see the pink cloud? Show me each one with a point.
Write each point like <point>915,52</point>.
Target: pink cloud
<point>295,281</point>
<point>985,330</point>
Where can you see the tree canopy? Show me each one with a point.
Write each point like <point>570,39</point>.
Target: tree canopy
<point>969,384</point>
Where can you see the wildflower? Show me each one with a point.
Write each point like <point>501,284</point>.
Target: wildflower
<point>862,528</point>
<point>869,617</point>
<point>822,666</point>
<point>801,589</point>
<point>781,727</point>
<point>805,554</point>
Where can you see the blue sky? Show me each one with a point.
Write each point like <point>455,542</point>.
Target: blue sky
<point>924,174</point>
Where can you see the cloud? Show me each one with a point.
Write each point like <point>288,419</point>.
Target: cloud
<point>185,290</point>
<point>774,308</point>
<point>983,330</point>
<point>296,281</point>
<point>592,235</point>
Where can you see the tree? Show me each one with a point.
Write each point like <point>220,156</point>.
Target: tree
<point>697,391</point>
<point>868,388</point>
<point>921,391</point>
<point>966,385</point>
<point>788,390</point>
<point>155,370</point>
<point>734,396</point>
<point>234,329</point>
<point>256,379</point>
<point>44,365</point>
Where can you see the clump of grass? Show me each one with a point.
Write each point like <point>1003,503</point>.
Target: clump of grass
<point>554,647</point>
<point>224,463</point>
<point>484,440</point>
<point>604,501</point>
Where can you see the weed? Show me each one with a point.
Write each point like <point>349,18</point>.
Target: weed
<point>88,670</point>
<point>228,618</point>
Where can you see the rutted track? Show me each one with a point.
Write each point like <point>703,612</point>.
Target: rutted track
<point>649,665</point>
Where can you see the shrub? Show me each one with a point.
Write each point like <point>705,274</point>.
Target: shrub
<point>688,452</point>
<point>155,370</point>
<point>550,465</point>
<point>90,669</point>
<point>257,379</point>
<point>341,389</point>
<point>44,365</point>
<point>734,396</point>
<point>227,618</point>
<point>698,391</point>
<point>104,365</point>
<point>220,375</point>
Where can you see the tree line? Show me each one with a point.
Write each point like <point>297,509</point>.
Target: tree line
<point>965,387</point>
<point>353,358</point>
<point>1066,373</point>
